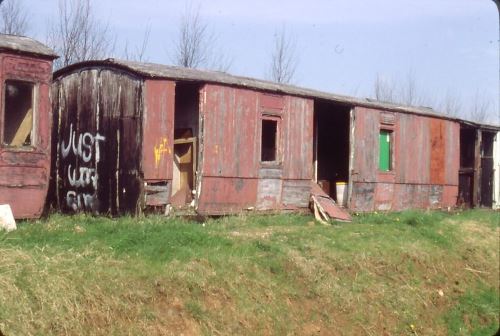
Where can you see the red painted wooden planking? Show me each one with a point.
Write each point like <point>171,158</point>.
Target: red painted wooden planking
<point>158,126</point>
<point>24,171</point>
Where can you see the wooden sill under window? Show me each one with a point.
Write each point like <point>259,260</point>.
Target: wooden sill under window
<point>387,176</point>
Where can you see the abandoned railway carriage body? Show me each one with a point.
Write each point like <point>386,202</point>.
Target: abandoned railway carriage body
<point>133,135</point>
<point>25,109</point>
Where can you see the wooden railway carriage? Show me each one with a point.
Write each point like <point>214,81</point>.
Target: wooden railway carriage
<point>137,135</point>
<point>25,124</point>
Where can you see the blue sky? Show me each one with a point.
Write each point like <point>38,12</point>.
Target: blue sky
<point>450,46</point>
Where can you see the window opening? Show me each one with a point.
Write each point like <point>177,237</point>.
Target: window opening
<point>385,140</point>
<point>18,114</point>
<point>269,140</point>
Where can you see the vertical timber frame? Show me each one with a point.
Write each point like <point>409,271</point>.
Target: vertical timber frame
<point>476,191</point>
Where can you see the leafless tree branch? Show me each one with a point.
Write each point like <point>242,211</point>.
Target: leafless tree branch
<point>284,59</point>
<point>14,17</point>
<point>384,89</point>
<point>451,105</point>
<point>139,52</point>
<point>76,35</point>
<point>479,108</point>
<point>400,92</point>
<point>196,45</point>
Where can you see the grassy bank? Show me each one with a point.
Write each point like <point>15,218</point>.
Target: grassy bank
<point>411,273</point>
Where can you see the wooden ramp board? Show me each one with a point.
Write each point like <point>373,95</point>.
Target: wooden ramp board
<point>325,207</point>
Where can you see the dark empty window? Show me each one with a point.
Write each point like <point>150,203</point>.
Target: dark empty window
<point>269,140</point>
<point>18,113</point>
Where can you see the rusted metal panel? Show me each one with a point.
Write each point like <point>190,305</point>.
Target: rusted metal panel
<point>227,195</point>
<point>158,130</point>
<point>25,170</point>
<point>231,128</point>
<point>99,141</point>
<point>298,138</point>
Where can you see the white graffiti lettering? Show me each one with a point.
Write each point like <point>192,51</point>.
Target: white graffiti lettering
<point>84,179</point>
<point>86,145</point>
<point>80,201</point>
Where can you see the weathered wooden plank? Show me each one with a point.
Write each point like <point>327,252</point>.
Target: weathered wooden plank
<point>25,202</point>
<point>296,193</point>
<point>384,193</point>
<point>270,173</point>
<point>156,194</point>
<point>230,132</point>
<point>21,177</point>
<point>438,151</point>
<point>366,137</point>
<point>268,193</point>
<point>99,142</point>
<point>227,195</point>
<point>363,196</point>
<point>158,129</point>
<point>452,151</point>
<point>25,170</point>
<point>298,138</point>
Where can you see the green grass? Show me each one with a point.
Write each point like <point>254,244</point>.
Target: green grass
<point>409,273</point>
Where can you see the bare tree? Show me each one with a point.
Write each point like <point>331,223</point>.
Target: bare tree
<point>451,105</point>
<point>76,35</point>
<point>384,89</point>
<point>479,108</point>
<point>14,17</point>
<point>139,52</point>
<point>284,60</point>
<point>405,91</point>
<point>195,45</point>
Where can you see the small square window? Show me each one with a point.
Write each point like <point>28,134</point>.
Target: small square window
<point>385,150</point>
<point>18,113</point>
<point>269,140</point>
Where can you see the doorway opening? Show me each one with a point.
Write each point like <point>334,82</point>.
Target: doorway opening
<point>186,128</point>
<point>331,149</point>
<point>487,169</point>
<point>467,161</point>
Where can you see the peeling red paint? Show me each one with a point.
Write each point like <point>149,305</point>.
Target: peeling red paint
<point>25,170</point>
